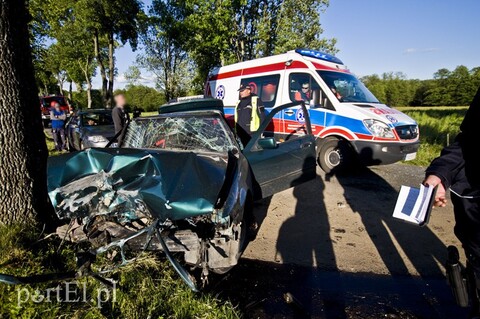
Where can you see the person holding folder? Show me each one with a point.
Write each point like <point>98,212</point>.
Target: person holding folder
<point>458,169</point>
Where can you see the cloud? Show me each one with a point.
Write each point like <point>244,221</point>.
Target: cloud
<point>421,50</point>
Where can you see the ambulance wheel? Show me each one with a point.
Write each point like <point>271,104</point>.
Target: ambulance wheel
<point>334,154</point>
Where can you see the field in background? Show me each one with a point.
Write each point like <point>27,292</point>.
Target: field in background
<point>438,127</point>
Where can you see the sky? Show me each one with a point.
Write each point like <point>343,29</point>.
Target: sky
<point>416,37</point>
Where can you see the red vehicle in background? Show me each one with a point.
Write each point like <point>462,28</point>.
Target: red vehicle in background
<point>46,103</point>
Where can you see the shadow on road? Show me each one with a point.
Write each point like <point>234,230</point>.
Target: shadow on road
<point>321,291</point>
<point>371,196</point>
<point>305,239</point>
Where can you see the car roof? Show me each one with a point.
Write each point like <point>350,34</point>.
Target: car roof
<point>94,111</point>
<point>192,105</point>
<point>182,113</point>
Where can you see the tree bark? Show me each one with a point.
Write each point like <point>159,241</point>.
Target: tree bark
<point>111,70</point>
<point>103,72</point>
<point>23,152</point>
<point>70,89</point>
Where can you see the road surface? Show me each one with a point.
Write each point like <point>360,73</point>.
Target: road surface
<point>332,244</point>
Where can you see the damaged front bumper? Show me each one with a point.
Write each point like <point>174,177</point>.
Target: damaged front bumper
<point>139,200</point>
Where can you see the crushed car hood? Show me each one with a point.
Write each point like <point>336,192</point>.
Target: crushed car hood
<point>131,183</point>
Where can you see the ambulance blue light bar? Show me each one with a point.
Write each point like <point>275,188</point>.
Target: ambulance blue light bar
<point>319,55</point>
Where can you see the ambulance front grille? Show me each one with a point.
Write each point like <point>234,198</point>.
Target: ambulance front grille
<point>407,132</point>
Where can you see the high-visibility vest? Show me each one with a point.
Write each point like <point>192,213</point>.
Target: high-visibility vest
<point>255,118</point>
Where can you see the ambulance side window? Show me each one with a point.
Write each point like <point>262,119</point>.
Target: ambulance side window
<point>302,87</point>
<point>265,87</point>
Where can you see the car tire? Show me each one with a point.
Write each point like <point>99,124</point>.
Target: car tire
<point>334,155</point>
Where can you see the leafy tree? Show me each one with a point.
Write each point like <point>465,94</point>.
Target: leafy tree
<point>22,143</point>
<point>163,36</point>
<point>133,75</point>
<point>229,31</point>
<point>299,26</point>
<point>70,56</point>
<point>109,21</point>
<point>92,29</point>
<point>449,88</point>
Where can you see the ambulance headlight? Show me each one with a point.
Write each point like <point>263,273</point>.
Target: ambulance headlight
<point>378,128</point>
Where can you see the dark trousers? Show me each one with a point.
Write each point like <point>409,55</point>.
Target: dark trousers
<point>467,227</point>
<point>59,138</point>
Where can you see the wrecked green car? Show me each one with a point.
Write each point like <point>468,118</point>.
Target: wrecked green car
<point>180,183</point>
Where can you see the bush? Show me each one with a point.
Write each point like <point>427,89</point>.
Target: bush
<point>146,288</point>
<point>438,127</point>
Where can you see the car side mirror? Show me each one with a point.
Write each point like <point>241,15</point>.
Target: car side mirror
<point>267,143</point>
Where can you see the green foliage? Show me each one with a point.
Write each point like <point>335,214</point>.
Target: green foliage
<point>143,97</point>
<point>147,288</point>
<point>219,32</point>
<point>163,36</point>
<point>299,26</point>
<point>438,126</point>
<point>80,100</point>
<point>450,88</point>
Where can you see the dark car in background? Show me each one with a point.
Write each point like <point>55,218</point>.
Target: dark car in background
<point>46,103</point>
<point>89,128</point>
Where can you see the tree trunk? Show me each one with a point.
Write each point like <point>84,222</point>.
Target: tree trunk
<point>23,152</point>
<point>88,80</point>
<point>60,83</point>
<point>111,70</point>
<point>89,94</point>
<point>70,89</point>
<point>103,72</point>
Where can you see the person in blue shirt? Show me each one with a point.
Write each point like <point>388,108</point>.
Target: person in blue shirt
<point>58,118</point>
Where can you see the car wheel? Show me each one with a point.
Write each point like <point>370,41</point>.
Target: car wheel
<point>334,154</point>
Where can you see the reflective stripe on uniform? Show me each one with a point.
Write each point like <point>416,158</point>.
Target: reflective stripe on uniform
<point>255,118</point>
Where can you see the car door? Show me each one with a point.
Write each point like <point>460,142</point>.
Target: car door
<point>280,163</point>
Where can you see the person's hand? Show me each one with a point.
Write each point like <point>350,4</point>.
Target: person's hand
<point>440,200</point>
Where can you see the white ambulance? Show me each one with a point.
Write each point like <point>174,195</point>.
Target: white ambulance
<point>349,122</point>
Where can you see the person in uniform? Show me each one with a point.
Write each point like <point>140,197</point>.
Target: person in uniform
<point>458,169</point>
<point>249,114</point>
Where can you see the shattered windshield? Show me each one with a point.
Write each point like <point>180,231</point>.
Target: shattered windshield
<point>347,88</point>
<point>182,132</point>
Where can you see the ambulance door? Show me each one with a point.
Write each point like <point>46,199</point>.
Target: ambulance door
<point>303,87</point>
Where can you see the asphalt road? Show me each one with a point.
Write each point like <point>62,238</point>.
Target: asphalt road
<point>332,244</point>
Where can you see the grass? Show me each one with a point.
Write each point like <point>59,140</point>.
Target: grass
<point>438,127</point>
<point>146,288</point>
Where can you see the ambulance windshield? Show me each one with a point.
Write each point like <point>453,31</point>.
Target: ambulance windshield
<point>347,88</point>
